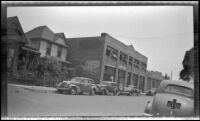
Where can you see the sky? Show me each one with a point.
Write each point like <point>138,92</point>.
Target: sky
<point>161,33</point>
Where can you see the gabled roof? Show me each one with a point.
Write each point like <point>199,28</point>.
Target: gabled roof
<point>45,33</point>
<point>61,35</point>
<point>14,24</point>
<point>41,32</point>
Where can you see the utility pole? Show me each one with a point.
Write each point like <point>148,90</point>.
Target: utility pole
<point>171,74</point>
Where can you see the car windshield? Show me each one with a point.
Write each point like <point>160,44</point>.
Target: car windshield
<point>76,79</point>
<point>179,89</point>
<point>109,83</point>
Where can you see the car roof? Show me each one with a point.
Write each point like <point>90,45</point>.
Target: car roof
<point>164,83</point>
<point>108,82</point>
<point>83,78</point>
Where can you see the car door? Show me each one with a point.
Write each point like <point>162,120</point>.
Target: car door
<point>85,85</point>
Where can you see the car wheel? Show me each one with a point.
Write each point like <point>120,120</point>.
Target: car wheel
<point>65,92</point>
<point>115,92</point>
<point>73,91</point>
<point>104,92</point>
<point>92,92</point>
<point>130,94</point>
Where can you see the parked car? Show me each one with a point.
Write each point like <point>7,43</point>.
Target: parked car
<point>172,98</point>
<point>130,90</point>
<point>151,92</point>
<point>107,88</point>
<point>77,85</point>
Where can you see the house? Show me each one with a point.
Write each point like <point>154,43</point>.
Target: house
<point>49,43</point>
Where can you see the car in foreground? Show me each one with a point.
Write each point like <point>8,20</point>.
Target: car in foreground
<point>151,92</point>
<point>108,88</point>
<point>77,85</point>
<point>172,98</point>
<point>130,90</point>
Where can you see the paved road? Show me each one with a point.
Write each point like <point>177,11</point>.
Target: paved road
<point>23,102</point>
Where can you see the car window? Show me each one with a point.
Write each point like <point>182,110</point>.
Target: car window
<point>91,81</point>
<point>76,79</point>
<point>84,81</point>
<point>179,89</point>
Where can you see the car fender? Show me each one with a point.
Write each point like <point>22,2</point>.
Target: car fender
<point>77,87</point>
<point>103,88</point>
<point>148,107</point>
<point>94,88</point>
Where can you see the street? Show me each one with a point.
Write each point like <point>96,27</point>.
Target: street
<point>30,102</point>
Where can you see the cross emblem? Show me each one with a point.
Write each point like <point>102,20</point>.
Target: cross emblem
<point>173,105</point>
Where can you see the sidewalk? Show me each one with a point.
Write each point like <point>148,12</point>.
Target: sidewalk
<point>36,88</point>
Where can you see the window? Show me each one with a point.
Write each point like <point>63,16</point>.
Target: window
<point>111,52</point>
<point>143,65</point>
<point>48,51</point>
<point>59,51</point>
<point>123,57</point>
<point>179,90</point>
<point>136,63</point>
<point>107,52</point>
<point>130,60</point>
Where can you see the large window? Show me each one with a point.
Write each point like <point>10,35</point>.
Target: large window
<point>135,79</point>
<point>136,63</point>
<point>111,52</point>
<point>48,51</point>
<point>59,51</point>
<point>143,66</point>
<point>130,60</point>
<point>123,57</point>
<point>109,74</point>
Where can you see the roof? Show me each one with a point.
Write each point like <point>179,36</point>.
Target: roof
<point>13,24</point>
<point>46,33</point>
<point>164,83</point>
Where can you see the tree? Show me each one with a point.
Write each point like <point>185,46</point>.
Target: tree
<point>52,71</point>
<point>188,66</point>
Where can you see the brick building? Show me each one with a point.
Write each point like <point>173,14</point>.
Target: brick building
<point>105,58</point>
<point>153,79</point>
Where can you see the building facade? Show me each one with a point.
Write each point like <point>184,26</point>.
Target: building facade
<point>105,58</point>
<point>49,43</point>
<point>153,80</point>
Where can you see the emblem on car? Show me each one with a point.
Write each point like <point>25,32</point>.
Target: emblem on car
<point>173,105</point>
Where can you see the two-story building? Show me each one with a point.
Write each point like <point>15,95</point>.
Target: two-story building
<point>105,58</point>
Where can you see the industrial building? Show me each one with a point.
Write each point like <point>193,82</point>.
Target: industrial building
<point>104,58</point>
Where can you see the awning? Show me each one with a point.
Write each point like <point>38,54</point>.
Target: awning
<point>29,49</point>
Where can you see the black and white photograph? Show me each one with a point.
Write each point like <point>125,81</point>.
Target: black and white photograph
<point>89,60</point>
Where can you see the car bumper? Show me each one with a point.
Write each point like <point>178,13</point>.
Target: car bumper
<point>147,115</point>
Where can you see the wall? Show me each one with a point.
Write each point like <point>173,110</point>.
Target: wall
<point>43,46</point>
<point>86,53</point>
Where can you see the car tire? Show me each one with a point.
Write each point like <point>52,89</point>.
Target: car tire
<point>104,92</point>
<point>73,91</point>
<point>115,92</point>
<point>130,94</point>
<point>92,92</point>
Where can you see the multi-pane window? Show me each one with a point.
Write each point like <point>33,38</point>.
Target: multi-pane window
<point>48,51</point>
<point>111,52</point>
<point>136,63</point>
<point>143,65</point>
<point>130,60</point>
<point>59,51</point>
<point>123,57</point>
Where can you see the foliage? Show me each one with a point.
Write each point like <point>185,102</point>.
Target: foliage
<point>51,71</point>
<point>187,73</point>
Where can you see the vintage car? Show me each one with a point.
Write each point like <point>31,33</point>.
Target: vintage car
<point>130,90</point>
<point>172,98</point>
<point>78,85</point>
<point>108,88</point>
<point>151,92</point>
